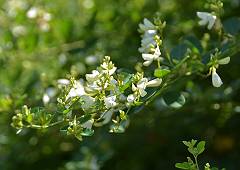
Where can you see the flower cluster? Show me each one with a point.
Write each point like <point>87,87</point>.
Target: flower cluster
<point>102,93</point>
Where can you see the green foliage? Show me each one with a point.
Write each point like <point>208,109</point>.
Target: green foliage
<point>195,149</point>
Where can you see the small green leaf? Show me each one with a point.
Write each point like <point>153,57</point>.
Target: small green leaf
<point>193,142</point>
<point>161,72</point>
<point>223,61</point>
<point>184,165</point>
<point>201,147</point>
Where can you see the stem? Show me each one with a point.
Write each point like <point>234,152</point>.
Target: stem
<point>44,126</point>
<point>196,162</point>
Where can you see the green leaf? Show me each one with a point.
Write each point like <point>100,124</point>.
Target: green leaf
<point>174,99</point>
<point>184,165</point>
<point>161,72</point>
<point>201,147</point>
<point>232,25</point>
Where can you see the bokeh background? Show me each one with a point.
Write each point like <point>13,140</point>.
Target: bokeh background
<point>69,39</point>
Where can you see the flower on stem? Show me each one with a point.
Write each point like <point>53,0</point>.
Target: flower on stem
<point>151,57</point>
<point>206,19</point>
<point>216,80</point>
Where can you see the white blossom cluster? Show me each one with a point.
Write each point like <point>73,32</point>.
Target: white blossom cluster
<point>101,92</point>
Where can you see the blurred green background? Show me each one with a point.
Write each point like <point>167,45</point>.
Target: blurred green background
<point>69,38</point>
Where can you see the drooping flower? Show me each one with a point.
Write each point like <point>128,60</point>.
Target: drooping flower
<point>216,80</point>
<point>149,58</point>
<point>206,19</point>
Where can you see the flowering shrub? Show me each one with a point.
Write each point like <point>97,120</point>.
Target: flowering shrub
<point>109,94</point>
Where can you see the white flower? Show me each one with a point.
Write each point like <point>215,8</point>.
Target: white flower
<point>151,57</point>
<point>63,81</point>
<point>216,80</point>
<point>154,83</point>
<point>110,101</point>
<point>131,98</point>
<point>88,124</point>
<point>32,12</point>
<point>140,87</point>
<point>92,77</point>
<point>206,19</point>
<point>76,90</point>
